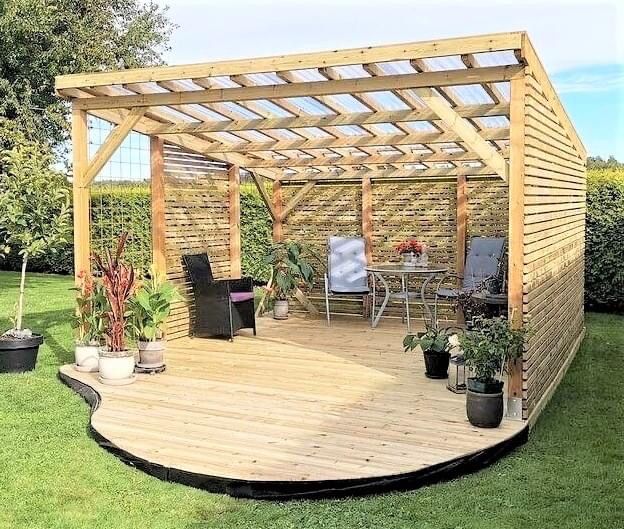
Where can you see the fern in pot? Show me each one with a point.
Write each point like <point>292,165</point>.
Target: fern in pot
<point>89,321</point>
<point>116,360</point>
<point>488,348</point>
<point>150,308</point>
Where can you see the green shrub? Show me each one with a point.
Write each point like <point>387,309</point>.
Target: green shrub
<point>604,247</point>
<point>128,208</point>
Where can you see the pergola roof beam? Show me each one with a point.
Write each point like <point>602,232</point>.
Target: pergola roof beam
<point>432,48</point>
<point>354,141</point>
<point>314,88</point>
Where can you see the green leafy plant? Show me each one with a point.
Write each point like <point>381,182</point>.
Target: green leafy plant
<point>434,340</point>
<point>151,305</point>
<point>292,268</point>
<point>119,281</point>
<point>34,209</point>
<point>489,345</point>
<point>92,306</point>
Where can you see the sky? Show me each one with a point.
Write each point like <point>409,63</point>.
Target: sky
<point>581,43</point>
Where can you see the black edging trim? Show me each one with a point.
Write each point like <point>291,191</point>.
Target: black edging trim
<point>290,490</point>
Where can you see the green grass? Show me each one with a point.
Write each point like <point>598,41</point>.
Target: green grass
<point>52,475</point>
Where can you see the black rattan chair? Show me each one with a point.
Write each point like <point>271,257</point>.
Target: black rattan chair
<point>222,306</point>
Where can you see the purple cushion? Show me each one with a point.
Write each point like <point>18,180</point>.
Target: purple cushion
<point>237,297</point>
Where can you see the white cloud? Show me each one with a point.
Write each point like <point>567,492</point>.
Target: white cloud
<point>590,81</point>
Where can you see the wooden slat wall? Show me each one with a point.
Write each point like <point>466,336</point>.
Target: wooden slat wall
<point>197,220</point>
<point>554,216</point>
<point>426,211</point>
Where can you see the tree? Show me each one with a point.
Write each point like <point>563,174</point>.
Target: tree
<point>597,162</point>
<point>34,207</point>
<point>42,39</point>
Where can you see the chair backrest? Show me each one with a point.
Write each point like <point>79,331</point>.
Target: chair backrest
<point>198,267</point>
<point>346,263</point>
<point>483,261</point>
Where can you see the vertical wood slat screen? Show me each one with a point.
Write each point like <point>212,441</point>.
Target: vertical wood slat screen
<point>426,211</point>
<point>554,245</point>
<point>197,220</point>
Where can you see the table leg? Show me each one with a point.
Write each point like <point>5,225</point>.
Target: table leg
<point>429,318</point>
<point>374,304</point>
<point>404,284</point>
<point>385,300</point>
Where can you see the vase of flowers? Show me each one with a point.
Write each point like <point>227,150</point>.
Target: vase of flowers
<point>413,253</point>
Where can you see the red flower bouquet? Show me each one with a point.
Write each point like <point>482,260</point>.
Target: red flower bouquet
<point>411,246</point>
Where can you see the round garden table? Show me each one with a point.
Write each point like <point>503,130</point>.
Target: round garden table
<point>382,271</point>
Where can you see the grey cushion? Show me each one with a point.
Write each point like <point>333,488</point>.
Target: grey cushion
<point>483,260</point>
<point>346,263</point>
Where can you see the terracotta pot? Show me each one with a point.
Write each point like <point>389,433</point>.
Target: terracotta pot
<point>87,357</point>
<point>116,368</point>
<point>151,354</point>
<point>280,309</point>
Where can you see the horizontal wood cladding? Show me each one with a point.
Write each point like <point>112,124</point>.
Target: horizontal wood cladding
<point>554,245</point>
<point>400,210</point>
<point>197,220</point>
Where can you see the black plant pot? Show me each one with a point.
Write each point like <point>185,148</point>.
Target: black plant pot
<point>436,364</point>
<point>18,355</point>
<point>484,403</point>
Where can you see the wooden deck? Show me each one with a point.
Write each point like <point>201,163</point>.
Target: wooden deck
<point>301,409</point>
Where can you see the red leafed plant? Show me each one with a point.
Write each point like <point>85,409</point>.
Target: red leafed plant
<point>119,282</point>
<point>411,246</point>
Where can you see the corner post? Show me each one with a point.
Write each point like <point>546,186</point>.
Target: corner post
<point>516,237</point>
<point>277,207</point>
<point>235,219</point>
<point>82,242</point>
<point>157,169</point>
<point>367,216</point>
<point>461,230</point>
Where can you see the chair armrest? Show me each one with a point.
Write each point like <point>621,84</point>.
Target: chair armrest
<point>243,284</point>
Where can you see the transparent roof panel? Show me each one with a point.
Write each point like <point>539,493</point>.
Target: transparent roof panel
<point>240,111</point>
<point>271,109</point>
<point>315,132</point>
<point>493,122</point>
<point>452,62</point>
<point>310,105</point>
<point>223,82</point>
<point>209,114</point>
<point>254,135</point>
<point>385,128</point>
<point>504,89</point>
<point>472,94</point>
<point>420,126</point>
<point>284,134</point>
<point>396,67</point>
<point>227,137</point>
<point>308,75</point>
<point>349,103</point>
<point>352,72</point>
<point>351,130</point>
<point>387,101</point>
<point>264,79</point>
<point>496,58</point>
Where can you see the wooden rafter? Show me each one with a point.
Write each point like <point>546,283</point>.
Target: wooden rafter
<point>468,134</point>
<point>110,145</point>
<point>358,118</point>
<point>353,141</point>
<point>433,48</point>
<point>471,62</point>
<point>381,159</point>
<point>313,88</point>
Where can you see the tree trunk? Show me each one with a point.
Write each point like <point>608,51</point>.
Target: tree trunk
<point>20,303</point>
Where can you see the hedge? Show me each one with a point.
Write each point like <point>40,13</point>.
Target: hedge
<point>604,252</point>
<point>604,240</point>
<point>131,208</point>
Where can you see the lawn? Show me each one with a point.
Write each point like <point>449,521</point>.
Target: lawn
<point>569,475</point>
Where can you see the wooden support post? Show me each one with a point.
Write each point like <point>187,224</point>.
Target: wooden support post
<point>235,217</point>
<point>462,218</point>
<point>516,235</point>
<point>277,208</point>
<point>367,230</point>
<point>80,141</point>
<point>157,168</point>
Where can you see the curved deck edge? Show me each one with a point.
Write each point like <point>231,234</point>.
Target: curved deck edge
<point>292,490</point>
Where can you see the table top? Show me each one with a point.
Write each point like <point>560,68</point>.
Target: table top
<point>400,268</point>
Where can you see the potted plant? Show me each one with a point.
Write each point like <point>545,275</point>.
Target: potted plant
<point>34,219</point>
<point>89,322</point>
<point>488,347</point>
<point>435,344</point>
<point>292,269</point>
<point>150,307</point>
<point>413,252</point>
<point>116,360</point>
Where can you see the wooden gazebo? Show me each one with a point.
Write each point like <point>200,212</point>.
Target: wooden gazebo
<point>442,140</point>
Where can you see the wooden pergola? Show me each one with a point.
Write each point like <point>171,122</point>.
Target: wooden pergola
<point>357,129</point>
